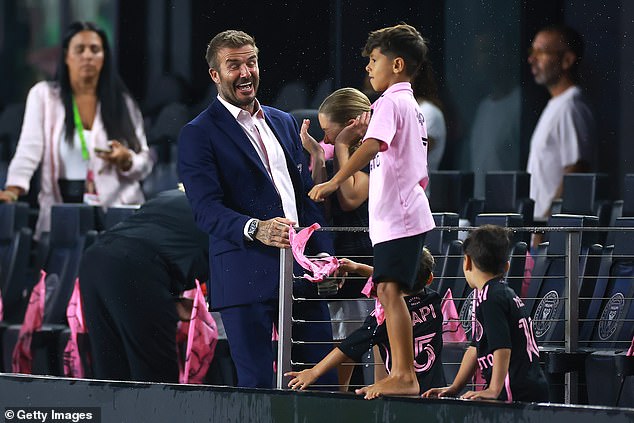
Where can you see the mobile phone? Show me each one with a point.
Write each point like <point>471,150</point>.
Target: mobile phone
<point>102,150</point>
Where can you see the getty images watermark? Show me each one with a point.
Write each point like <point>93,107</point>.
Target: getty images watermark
<point>52,414</point>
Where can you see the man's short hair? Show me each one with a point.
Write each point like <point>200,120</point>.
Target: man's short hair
<point>230,38</point>
<point>399,41</point>
<point>488,247</point>
<point>573,42</point>
<point>571,38</point>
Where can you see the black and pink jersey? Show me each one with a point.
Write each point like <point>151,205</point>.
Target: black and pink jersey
<point>426,316</point>
<point>502,321</point>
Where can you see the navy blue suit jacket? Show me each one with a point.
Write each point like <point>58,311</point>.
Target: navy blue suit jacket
<point>227,185</point>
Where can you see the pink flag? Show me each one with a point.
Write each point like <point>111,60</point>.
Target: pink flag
<point>528,273</point>
<point>201,341</point>
<point>320,267</point>
<point>75,315</point>
<point>452,328</point>
<point>369,290</point>
<point>22,358</point>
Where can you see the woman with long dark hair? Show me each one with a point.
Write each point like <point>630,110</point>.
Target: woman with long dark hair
<point>84,129</point>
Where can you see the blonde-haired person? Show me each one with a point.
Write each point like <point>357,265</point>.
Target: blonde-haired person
<point>348,208</point>
<point>337,111</point>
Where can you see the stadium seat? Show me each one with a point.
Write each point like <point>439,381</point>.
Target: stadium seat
<point>452,191</point>
<point>72,230</point>
<point>15,246</point>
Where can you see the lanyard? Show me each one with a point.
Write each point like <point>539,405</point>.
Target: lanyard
<point>80,131</point>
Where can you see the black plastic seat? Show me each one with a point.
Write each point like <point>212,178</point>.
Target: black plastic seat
<point>509,192</point>
<point>315,128</point>
<point>72,230</point>
<point>115,215</point>
<point>10,127</point>
<point>452,191</point>
<point>15,246</point>
<point>588,194</point>
<point>164,177</point>
<point>546,290</point>
<point>437,241</point>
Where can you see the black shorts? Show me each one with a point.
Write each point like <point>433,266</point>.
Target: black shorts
<point>397,260</point>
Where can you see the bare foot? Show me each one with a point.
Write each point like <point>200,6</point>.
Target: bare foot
<point>391,385</point>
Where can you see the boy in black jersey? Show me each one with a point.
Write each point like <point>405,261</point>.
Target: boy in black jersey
<point>424,307</point>
<point>503,344</point>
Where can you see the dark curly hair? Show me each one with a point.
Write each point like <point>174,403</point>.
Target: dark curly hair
<point>488,246</point>
<point>401,40</point>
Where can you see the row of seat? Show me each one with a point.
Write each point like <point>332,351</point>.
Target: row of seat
<point>509,192</point>
<point>605,291</point>
<point>74,227</point>
<point>605,285</point>
<point>604,310</point>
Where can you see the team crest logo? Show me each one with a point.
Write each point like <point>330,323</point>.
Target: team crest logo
<point>477,330</point>
<point>466,315</point>
<point>610,316</point>
<point>421,118</point>
<point>546,311</point>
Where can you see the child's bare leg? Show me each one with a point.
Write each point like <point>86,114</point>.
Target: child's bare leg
<point>344,373</point>
<point>379,367</point>
<point>402,378</point>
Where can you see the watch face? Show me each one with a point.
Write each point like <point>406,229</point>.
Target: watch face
<point>253,226</point>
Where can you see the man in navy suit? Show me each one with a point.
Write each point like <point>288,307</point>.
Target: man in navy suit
<point>247,180</point>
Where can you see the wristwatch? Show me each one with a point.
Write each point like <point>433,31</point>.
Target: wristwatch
<point>253,228</point>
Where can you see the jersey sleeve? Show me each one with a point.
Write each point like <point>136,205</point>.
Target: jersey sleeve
<point>383,123</point>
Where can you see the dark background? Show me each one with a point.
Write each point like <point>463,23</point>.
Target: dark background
<point>313,41</point>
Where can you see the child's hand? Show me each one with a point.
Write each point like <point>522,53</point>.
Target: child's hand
<point>308,142</point>
<point>320,192</point>
<point>347,265</point>
<point>354,131</point>
<point>447,391</point>
<point>485,394</point>
<point>301,380</point>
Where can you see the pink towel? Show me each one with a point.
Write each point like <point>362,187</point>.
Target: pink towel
<point>369,290</point>
<point>22,358</point>
<point>320,267</point>
<point>75,315</point>
<point>202,338</point>
<point>1,310</point>
<point>630,352</point>
<point>528,273</point>
<point>452,328</point>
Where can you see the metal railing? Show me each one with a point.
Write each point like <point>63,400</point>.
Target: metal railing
<point>570,299</point>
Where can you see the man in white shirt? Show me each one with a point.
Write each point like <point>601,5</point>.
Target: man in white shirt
<point>564,139</point>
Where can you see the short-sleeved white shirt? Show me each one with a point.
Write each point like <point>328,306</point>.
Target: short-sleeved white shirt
<point>436,129</point>
<point>397,204</point>
<point>563,135</point>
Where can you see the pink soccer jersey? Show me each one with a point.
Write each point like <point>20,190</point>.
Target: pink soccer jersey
<point>397,205</point>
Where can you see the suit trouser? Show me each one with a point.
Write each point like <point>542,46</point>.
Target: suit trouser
<point>249,329</point>
<point>129,311</point>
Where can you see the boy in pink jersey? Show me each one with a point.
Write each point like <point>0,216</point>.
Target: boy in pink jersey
<point>395,146</point>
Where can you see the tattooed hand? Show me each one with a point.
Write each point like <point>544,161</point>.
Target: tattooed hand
<point>274,232</point>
